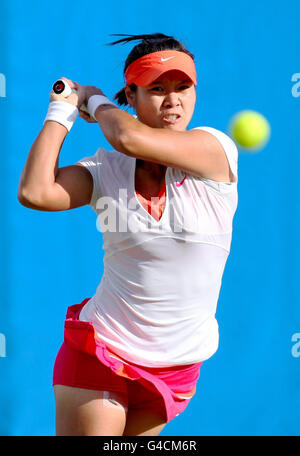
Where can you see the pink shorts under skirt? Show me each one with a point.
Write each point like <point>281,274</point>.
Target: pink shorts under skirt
<point>85,361</point>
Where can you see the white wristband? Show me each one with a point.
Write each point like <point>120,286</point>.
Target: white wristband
<point>95,101</point>
<point>62,112</point>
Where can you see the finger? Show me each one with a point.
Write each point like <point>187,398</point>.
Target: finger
<point>76,85</point>
<point>84,115</point>
<point>69,81</point>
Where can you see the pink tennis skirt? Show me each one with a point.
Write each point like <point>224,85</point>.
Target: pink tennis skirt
<point>85,361</point>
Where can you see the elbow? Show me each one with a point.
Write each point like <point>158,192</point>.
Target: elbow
<point>32,201</point>
<point>21,196</point>
<point>24,199</point>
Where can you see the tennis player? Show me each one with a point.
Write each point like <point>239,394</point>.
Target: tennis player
<point>165,198</point>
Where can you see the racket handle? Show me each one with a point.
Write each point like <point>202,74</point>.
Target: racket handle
<point>61,87</point>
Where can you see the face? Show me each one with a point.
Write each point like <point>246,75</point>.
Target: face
<point>168,102</point>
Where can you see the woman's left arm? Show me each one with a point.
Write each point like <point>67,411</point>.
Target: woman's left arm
<point>195,151</point>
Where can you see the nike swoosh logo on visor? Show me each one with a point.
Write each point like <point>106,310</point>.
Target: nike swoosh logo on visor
<point>167,58</point>
<point>178,184</point>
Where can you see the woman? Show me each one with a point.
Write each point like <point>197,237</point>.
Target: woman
<point>166,197</point>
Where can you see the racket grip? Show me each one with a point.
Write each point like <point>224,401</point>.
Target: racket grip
<point>61,87</point>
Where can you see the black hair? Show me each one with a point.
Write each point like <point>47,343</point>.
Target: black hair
<point>148,43</point>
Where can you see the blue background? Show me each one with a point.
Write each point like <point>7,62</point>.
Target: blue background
<point>246,54</point>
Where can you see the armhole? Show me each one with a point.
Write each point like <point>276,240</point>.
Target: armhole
<point>94,191</point>
<point>89,163</point>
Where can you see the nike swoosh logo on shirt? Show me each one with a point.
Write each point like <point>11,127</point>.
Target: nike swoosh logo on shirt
<point>178,184</point>
<point>167,58</point>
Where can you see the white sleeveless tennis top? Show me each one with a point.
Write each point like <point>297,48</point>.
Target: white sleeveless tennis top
<point>156,302</point>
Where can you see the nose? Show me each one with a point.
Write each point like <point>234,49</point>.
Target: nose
<point>171,100</point>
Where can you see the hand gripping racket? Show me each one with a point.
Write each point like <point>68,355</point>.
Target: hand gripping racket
<point>61,87</point>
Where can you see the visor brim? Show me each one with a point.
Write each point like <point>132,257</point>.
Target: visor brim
<point>148,77</point>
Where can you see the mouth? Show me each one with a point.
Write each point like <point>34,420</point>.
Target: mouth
<point>171,119</point>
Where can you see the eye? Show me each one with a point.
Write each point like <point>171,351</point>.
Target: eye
<point>156,89</point>
<point>184,87</point>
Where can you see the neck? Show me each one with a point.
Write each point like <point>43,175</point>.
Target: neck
<point>156,170</point>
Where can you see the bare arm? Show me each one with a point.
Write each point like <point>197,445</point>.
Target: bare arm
<point>41,166</point>
<point>195,151</point>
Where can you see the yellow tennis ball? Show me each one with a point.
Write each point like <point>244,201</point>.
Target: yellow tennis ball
<point>250,129</point>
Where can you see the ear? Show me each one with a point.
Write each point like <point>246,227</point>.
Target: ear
<point>130,95</point>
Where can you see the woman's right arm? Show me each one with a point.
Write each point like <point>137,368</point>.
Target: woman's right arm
<point>46,187</point>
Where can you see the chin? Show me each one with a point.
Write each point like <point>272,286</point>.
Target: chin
<point>175,127</point>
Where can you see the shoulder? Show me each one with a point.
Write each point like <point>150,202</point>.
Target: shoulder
<point>102,155</point>
<point>228,146</point>
<point>225,140</point>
